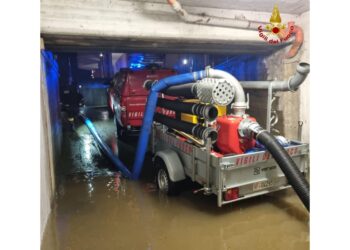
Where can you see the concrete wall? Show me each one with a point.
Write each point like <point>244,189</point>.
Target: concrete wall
<point>46,185</point>
<point>288,102</point>
<point>293,107</point>
<point>50,134</point>
<point>304,97</point>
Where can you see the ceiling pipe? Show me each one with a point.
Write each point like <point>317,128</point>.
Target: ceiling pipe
<point>292,84</point>
<point>214,21</point>
<point>240,24</point>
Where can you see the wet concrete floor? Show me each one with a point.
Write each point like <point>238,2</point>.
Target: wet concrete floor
<point>95,208</point>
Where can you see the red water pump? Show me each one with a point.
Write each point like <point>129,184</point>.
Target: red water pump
<point>229,140</point>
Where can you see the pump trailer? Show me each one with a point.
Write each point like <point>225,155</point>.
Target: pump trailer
<point>208,137</point>
<point>231,177</point>
<point>229,154</point>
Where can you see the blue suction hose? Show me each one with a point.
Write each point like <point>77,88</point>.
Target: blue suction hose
<point>106,150</point>
<point>147,122</point>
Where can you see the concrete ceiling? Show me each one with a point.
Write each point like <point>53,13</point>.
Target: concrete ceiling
<point>285,6</point>
<point>142,25</point>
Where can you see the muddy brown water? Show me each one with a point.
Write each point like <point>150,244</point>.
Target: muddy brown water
<point>95,208</point>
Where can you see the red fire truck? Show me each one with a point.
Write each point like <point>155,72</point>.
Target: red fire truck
<point>127,97</point>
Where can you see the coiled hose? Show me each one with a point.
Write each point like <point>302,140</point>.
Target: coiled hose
<point>287,165</point>
<point>197,130</point>
<point>208,112</point>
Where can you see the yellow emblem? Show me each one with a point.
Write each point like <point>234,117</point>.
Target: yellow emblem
<point>275,25</point>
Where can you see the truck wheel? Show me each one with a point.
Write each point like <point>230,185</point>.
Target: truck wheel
<point>163,181</point>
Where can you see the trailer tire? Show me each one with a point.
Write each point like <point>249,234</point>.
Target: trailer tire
<point>164,183</point>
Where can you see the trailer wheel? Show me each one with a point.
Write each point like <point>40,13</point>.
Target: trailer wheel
<point>162,179</point>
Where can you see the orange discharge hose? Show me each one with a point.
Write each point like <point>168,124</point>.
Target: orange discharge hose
<point>299,38</point>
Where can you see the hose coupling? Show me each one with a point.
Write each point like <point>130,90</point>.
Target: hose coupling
<point>148,84</point>
<point>249,129</point>
<point>205,132</point>
<point>209,112</point>
<point>239,108</point>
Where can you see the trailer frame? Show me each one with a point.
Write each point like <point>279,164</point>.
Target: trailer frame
<point>254,173</point>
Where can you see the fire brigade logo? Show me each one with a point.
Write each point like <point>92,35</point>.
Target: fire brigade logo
<point>276,31</point>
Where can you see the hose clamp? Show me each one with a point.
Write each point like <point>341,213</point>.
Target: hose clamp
<point>259,132</point>
<point>243,128</point>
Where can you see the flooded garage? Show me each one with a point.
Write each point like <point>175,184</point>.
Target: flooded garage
<point>174,125</point>
<point>96,208</point>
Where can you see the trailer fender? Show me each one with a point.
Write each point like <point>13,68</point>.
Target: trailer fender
<point>172,163</point>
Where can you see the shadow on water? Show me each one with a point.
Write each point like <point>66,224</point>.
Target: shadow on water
<point>298,212</point>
